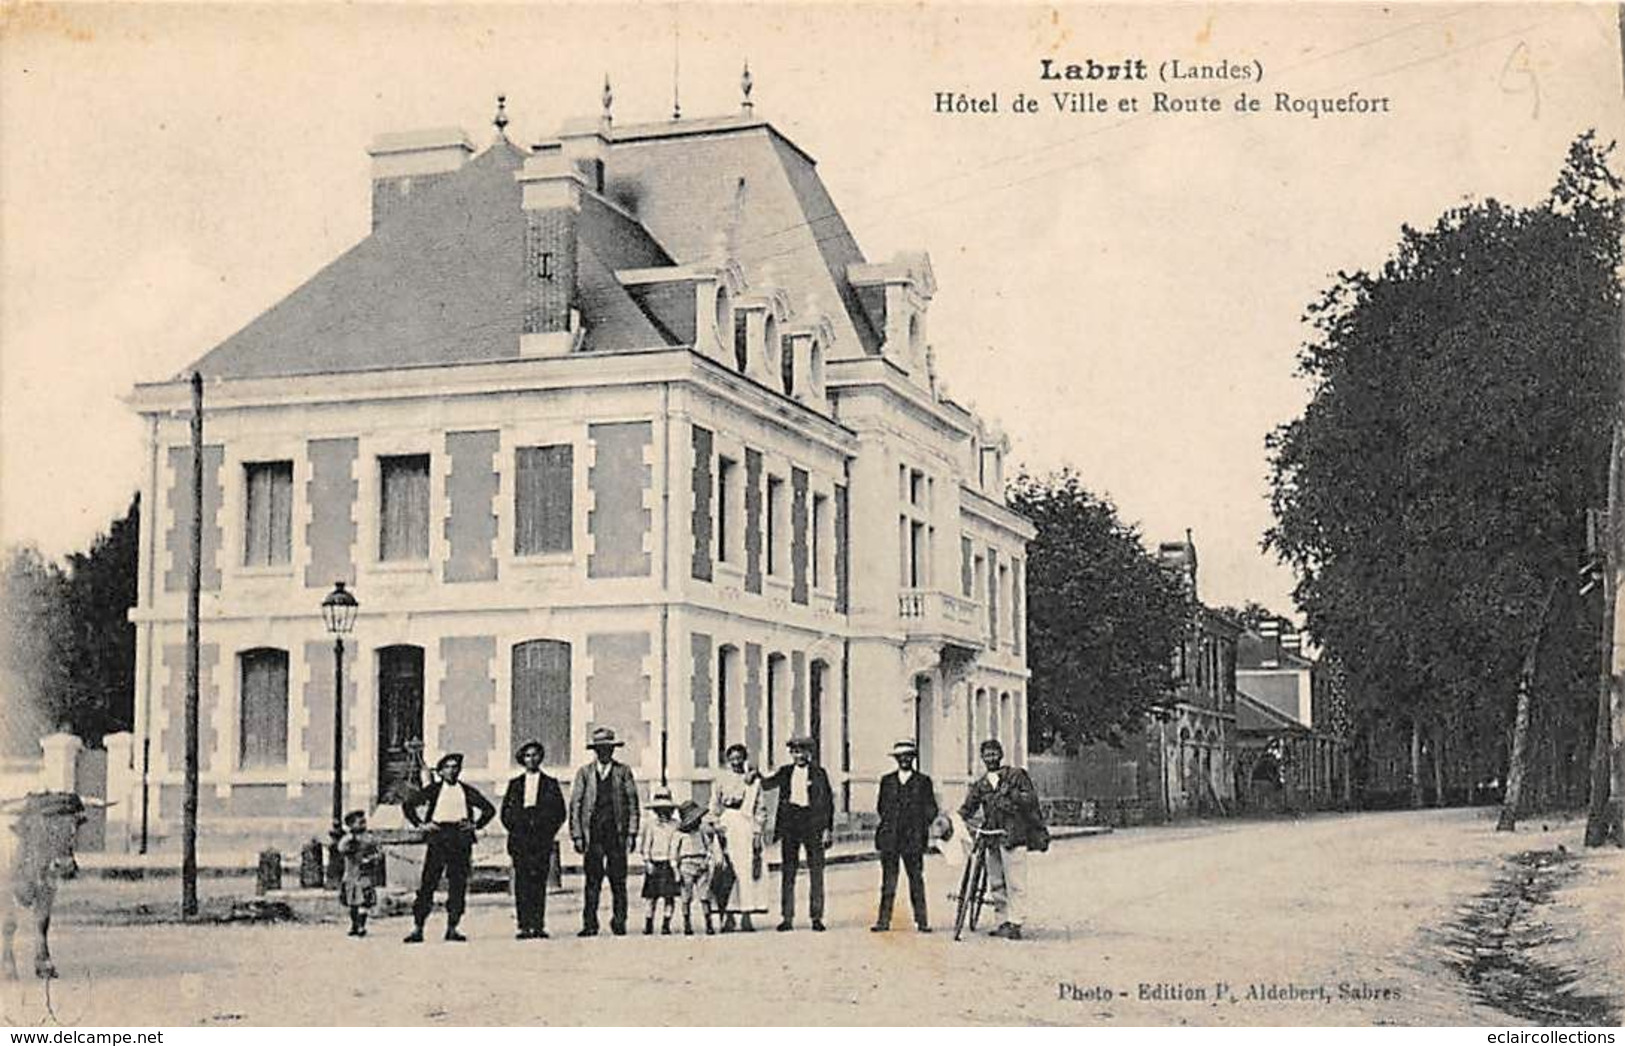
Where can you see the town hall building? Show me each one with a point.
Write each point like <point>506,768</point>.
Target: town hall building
<point>621,430</point>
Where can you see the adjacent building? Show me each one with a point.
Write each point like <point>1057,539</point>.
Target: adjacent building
<point>1181,760</point>
<point>620,430</point>
<point>1293,750</point>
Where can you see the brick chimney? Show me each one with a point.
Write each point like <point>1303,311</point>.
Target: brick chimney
<point>1270,632</point>
<point>552,187</point>
<point>1291,640</point>
<point>408,161</point>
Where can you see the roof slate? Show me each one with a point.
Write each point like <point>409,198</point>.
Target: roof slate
<point>442,280</point>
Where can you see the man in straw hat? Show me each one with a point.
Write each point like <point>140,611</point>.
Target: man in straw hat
<point>805,814</point>
<point>532,812</point>
<point>604,828</point>
<point>908,805</point>
<point>451,813</point>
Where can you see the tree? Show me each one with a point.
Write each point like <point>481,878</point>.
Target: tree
<point>1249,615</point>
<point>68,654</point>
<point>101,591</point>
<point>1436,486</point>
<point>36,644</point>
<point>1102,616</point>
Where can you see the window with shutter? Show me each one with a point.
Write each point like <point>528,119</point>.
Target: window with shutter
<point>541,706</point>
<point>268,515</point>
<point>544,496</point>
<point>263,714</point>
<point>403,532</point>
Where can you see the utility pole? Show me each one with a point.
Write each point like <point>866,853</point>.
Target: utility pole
<point>194,584</point>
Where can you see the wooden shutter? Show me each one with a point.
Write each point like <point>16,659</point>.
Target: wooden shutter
<point>268,518</point>
<point>263,733</point>
<point>541,703</point>
<point>544,499</point>
<point>404,510</point>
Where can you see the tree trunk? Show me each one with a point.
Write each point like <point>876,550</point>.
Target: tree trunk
<point>1416,764</point>
<point>1603,819</point>
<point>1520,723</point>
<point>1438,766</point>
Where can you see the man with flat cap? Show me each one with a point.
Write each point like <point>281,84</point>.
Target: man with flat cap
<point>604,828</point>
<point>532,812</point>
<point>806,813</point>
<point>451,813</point>
<point>908,805</point>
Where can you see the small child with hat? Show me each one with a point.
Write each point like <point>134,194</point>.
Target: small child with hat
<point>696,855</point>
<point>659,849</point>
<point>363,869</point>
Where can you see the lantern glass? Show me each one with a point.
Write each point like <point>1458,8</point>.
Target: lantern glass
<point>339,609</point>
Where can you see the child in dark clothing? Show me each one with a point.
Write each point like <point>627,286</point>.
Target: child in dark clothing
<point>363,870</point>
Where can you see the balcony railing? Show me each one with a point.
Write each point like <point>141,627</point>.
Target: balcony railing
<point>926,612</point>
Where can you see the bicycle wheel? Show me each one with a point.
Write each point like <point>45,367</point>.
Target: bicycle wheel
<point>965,881</point>
<point>979,887</point>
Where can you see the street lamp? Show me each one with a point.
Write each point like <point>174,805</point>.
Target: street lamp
<point>338,613</point>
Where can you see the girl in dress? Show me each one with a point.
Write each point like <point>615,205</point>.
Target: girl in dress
<point>659,849</point>
<point>363,870</point>
<point>737,807</point>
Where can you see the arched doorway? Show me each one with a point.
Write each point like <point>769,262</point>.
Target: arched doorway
<point>400,721</point>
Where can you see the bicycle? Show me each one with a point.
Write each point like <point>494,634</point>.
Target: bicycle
<point>973,884</point>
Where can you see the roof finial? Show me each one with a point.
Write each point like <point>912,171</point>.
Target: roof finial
<point>745,84</point>
<point>609,101</point>
<point>500,122</point>
<point>676,62</point>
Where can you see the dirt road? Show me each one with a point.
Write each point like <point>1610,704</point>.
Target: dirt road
<point>1334,919</point>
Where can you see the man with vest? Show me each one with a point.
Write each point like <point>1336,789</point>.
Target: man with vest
<point>604,828</point>
<point>450,813</point>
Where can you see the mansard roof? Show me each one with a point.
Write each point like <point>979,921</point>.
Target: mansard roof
<point>442,279</point>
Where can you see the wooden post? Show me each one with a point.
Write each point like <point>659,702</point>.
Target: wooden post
<point>194,584</point>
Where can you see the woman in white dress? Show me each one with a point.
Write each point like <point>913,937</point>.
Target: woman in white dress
<point>737,807</point>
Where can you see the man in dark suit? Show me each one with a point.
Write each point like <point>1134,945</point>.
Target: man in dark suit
<point>532,812</point>
<point>604,828</point>
<point>908,805</point>
<point>451,813</point>
<point>805,814</point>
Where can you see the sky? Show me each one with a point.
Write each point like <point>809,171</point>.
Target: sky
<point>1121,292</point>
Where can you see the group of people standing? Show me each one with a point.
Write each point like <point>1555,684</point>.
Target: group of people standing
<point>714,856</point>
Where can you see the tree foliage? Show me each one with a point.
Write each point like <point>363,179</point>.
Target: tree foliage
<point>1102,615</point>
<point>1438,481</point>
<point>1249,615</point>
<point>67,649</point>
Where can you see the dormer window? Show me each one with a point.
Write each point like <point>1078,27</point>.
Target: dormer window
<point>741,342</point>
<point>724,314</point>
<point>787,359</point>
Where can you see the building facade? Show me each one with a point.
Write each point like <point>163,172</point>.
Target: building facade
<point>1181,759</point>
<point>1195,734</point>
<point>620,430</point>
<point>1294,749</point>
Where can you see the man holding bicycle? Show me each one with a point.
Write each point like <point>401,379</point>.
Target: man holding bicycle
<point>1008,802</point>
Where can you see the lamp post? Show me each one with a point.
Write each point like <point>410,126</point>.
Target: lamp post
<point>338,613</point>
